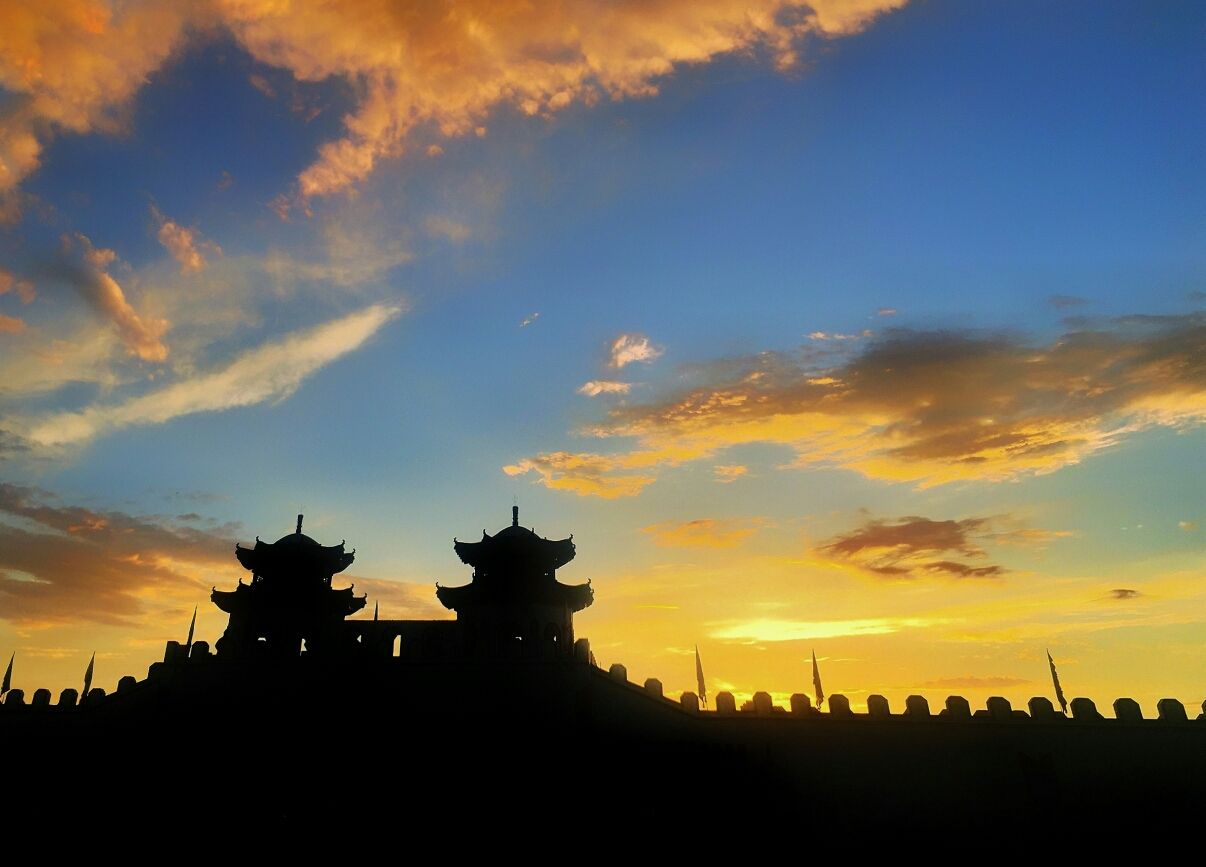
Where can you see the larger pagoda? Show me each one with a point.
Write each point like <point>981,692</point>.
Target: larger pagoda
<point>514,600</point>
<point>290,598</point>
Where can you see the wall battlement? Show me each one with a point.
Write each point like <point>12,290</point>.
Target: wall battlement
<point>957,709</point>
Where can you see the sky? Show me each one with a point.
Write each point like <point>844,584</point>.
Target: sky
<point>872,328</point>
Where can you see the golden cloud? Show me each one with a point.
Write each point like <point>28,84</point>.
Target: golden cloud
<point>772,630</point>
<point>923,407</point>
<point>11,324</point>
<point>701,533</point>
<point>433,69</point>
<point>67,564</point>
<point>914,546</point>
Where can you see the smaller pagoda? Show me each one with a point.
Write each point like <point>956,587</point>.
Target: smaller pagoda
<point>514,600</point>
<point>290,599</point>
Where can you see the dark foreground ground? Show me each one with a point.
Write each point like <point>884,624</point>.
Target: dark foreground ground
<point>503,755</point>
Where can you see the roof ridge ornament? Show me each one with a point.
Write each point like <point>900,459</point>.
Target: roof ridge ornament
<point>299,523</point>
<point>515,516</point>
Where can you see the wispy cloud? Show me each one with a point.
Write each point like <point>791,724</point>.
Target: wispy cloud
<point>584,474</point>
<point>596,387</point>
<point>629,348</point>
<point>528,320</point>
<point>702,532</point>
<point>772,630</point>
<point>270,372</point>
<point>927,407</point>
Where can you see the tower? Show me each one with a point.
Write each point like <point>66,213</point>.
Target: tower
<point>514,601</point>
<point>289,600</point>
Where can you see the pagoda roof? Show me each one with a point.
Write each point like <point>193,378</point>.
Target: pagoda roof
<point>292,553</point>
<point>343,602</point>
<point>516,545</point>
<point>573,596</point>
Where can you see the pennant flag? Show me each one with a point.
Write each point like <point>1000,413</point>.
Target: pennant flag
<point>376,610</point>
<point>88,674</point>
<point>816,681</point>
<point>191,627</point>
<point>8,675</point>
<point>699,679</point>
<point>1059,690</point>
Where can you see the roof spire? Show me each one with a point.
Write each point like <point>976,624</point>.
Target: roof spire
<point>299,520</point>
<point>515,516</point>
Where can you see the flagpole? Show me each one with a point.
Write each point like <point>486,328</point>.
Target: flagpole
<point>7,684</point>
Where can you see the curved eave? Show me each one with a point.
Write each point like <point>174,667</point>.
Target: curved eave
<point>573,596</point>
<point>552,553</point>
<point>265,559</point>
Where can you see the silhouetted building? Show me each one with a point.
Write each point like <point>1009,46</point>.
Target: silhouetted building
<point>290,600</point>
<point>515,600</point>
<point>504,714</point>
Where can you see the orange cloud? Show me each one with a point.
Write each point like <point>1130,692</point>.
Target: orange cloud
<point>11,324</point>
<point>183,244</point>
<point>426,70</point>
<point>143,337</point>
<point>71,65</point>
<point>701,533</point>
<point>24,288</point>
<point>928,407</point>
<point>69,563</point>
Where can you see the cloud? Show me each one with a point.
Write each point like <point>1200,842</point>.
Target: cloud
<point>67,564</point>
<point>702,533</point>
<point>426,71</point>
<point>771,630</point>
<point>604,386</point>
<point>727,473</point>
<point>1187,526</point>
<point>270,372</point>
<point>447,228</point>
<point>24,288</point>
<point>440,70</point>
<point>833,335</point>
<point>912,547</point>
<point>928,407</point>
<point>183,244</point>
<point>627,348</point>
<point>11,324</point>
<point>1122,593</point>
<point>583,474</point>
<point>971,681</point>
<point>886,311</point>
<point>71,66</point>
<point>86,268</point>
<point>528,320</point>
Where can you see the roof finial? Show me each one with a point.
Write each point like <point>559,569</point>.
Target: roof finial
<point>299,520</point>
<point>515,516</point>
